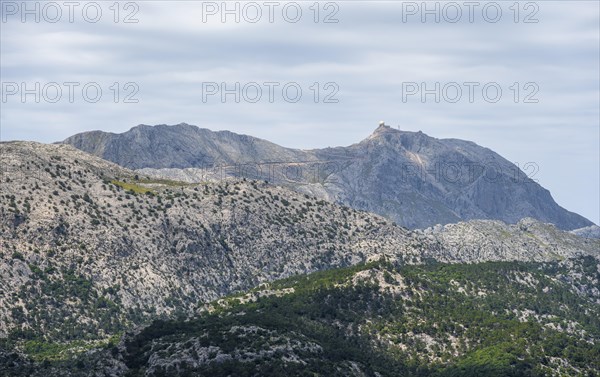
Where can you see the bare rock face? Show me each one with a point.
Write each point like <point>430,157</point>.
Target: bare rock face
<point>411,178</point>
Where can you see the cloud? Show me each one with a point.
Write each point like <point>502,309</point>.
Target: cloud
<point>170,52</point>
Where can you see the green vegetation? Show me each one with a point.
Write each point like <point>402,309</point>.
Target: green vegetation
<point>52,351</point>
<point>380,318</point>
<point>53,324</point>
<point>135,188</point>
<point>166,182</point>
<point>443,320</point>
<point>17,255</point>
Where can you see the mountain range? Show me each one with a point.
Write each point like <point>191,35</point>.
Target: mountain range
<point>410,178</point>
<point>120,249</point>
<point>216,271</point>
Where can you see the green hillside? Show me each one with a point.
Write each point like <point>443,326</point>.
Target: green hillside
<point>385,320</point>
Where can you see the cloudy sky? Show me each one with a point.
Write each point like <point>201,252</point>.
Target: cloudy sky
<point>522,80</point>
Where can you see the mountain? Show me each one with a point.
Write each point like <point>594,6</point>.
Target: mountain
<point>411,178</point>
<point>178,146</point>
<point>378,319</point>
<point>90,249</point>
<point>592,231</point>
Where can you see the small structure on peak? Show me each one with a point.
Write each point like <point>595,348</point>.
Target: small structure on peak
<point>383,126</point>
<point>383,129</point>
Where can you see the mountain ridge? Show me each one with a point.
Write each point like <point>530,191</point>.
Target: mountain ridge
<point>409,177</point>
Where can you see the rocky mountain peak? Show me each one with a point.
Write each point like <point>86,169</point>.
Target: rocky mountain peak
<point>401,140</point>
<point>383,129</point>
<point>399,174</point>
<point>177,128</point>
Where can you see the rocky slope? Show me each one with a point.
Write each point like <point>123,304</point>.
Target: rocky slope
<point>592,231</point>
<point>89,250</point>
<point>380,319</point>
<point>470,320</point>
<point>529,239</point>
<point>409,177</point>
<point>85,246</point>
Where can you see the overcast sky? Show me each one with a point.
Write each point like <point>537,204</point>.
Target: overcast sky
<point>168,60</point>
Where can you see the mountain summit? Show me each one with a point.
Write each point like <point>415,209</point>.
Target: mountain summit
<point>412,178</point>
